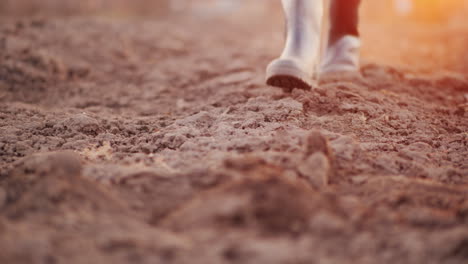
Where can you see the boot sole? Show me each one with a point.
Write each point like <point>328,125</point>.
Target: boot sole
<point>286,74</point>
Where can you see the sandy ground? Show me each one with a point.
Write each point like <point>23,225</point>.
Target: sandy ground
<point>156,141</point>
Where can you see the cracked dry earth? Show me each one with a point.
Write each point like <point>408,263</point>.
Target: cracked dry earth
<point>131,141</point>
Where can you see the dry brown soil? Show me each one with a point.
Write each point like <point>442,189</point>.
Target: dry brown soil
<point>127,140</point>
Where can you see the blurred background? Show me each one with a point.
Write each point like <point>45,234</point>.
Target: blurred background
<point>427,11</point>
<point>419,34</point>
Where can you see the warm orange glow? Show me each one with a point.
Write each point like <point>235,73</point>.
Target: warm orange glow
<point>436,10</point>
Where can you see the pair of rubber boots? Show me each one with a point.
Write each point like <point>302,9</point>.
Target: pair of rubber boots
<point>299,66</point>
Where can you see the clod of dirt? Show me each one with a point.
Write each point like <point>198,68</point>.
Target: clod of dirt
<point>35,169</point>
<point>82,123</point>
<point>48,165</point>
<point>28,73</point>
<point>316,165</point>
<point>261,200</point>
<point>317,142</point>
<point>46,193</point>
<point>454,81</point>
<point>51,183</point>
<point>316,169</point>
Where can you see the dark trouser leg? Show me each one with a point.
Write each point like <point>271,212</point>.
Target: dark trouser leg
<point>344,18</point>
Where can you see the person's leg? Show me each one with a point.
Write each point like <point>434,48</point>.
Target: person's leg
<point>342,54</point>
<point>344,18</point>
<point>296,65</point>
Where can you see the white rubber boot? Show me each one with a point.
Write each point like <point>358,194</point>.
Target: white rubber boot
<point>342,56</point>
<point>296,65</point>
